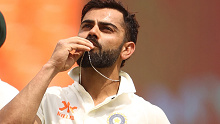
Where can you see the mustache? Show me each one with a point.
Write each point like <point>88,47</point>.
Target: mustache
<point>94,41</point>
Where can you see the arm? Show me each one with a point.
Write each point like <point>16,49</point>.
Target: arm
<point>23,108</point>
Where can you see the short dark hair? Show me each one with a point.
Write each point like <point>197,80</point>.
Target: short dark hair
<point>131,24</point>
<point>2,29</point>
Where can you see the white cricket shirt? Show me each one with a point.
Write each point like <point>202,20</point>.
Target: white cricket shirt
<point>7,93</point>
<point>74,105</point>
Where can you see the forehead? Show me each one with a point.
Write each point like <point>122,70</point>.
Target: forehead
<point>105,15</point>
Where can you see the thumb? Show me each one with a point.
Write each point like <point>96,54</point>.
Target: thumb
<point>78,54</point>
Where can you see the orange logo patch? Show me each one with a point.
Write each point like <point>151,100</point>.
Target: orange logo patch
<point>69,108</point>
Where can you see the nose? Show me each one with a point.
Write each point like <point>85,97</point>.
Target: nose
<point>95,32</point>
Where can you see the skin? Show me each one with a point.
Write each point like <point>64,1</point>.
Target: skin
<point>23,108</point>
<point>110,34</point>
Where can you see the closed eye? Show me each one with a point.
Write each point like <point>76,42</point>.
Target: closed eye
<point>86,26</point>
<point>106,29</point>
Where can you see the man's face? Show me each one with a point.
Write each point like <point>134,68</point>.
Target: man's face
<point>104,28</point>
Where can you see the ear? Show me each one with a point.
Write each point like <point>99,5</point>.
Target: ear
<point>127,50</point>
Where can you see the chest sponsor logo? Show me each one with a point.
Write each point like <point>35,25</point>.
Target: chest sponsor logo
<point>69,111</point>
<point>117,118</point>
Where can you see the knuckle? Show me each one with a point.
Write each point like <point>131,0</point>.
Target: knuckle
<point>61,42</point>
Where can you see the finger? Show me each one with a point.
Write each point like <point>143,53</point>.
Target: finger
<point>79,47</point>
<point>79,40</point>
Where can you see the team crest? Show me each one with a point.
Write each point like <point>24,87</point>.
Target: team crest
<point>117,118</point>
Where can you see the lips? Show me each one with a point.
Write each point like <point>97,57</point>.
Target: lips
<point>94,41</point>
<point>94,44</point>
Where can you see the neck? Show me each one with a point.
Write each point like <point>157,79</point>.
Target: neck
<point>99,87</point>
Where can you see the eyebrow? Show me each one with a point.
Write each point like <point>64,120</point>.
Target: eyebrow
<point>87,21</point>
<point>101,23</point>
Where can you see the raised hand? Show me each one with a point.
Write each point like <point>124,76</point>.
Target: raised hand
<point>68,51</point>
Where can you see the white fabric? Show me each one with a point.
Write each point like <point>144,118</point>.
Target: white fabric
<point>74,105</point>
<point>7,93</point>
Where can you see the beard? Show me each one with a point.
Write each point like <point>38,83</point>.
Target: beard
<point>100,59</point>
